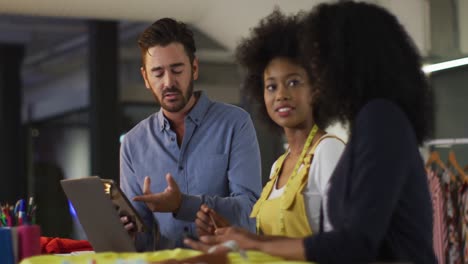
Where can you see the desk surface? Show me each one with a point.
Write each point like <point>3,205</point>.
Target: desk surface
<point>148,257</point>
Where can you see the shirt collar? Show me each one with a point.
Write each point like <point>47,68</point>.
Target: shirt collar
<point>199,111</point>
<point>196,115</point>
<point>163,123</point>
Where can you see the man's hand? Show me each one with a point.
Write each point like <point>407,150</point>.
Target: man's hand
<point>208,220</point>
<point>167,201</point>
<point>127,221</point>
<point>129,225</point>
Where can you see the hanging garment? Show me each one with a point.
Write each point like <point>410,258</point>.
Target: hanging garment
<point>463,216</point>
<point>450,188</point>
<point>439,228</point>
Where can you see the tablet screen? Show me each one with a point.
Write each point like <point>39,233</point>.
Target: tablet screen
<point>123,205</point>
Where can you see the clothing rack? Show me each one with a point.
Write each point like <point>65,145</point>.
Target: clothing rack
<point>447,142</point>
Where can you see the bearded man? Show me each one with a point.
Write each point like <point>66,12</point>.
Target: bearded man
<point>193,151</point>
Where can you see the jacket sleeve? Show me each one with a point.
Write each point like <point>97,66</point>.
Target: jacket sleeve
<point>383,146</point>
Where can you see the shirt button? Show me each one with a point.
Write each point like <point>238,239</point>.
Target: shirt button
<point>172,138</point>
<point>181,167</point>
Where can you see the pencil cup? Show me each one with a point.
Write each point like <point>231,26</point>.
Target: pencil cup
<point>28,241</point>
<point>6,246</point>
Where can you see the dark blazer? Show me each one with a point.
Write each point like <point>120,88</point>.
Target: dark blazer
<point>379,202</point>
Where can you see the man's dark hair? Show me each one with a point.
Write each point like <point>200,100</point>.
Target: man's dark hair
<point>164,32</point>
<point>276,36</point>
<point>359,52</point>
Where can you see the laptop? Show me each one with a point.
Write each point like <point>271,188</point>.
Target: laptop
<point>97,215</point>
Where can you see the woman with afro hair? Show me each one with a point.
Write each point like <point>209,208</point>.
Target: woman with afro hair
<point>277,79</point>
<point>368,74</point>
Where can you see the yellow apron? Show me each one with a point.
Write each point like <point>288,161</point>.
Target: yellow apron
<point>286,215</point>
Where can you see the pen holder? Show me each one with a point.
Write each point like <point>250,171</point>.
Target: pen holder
<point>7,255</point>
<point>28,241</point>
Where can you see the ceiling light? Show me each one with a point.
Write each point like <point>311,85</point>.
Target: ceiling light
<point>444,65</point>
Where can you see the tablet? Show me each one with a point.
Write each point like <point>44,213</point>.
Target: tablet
<point>98,215</point>
<point>122,204</point>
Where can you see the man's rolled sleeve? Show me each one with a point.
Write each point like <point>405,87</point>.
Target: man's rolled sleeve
<point>188,208</point>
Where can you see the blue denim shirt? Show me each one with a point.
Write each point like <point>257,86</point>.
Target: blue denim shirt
<point>217,163</point>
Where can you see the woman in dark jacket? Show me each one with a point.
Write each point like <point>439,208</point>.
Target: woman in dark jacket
<point>368,73</point>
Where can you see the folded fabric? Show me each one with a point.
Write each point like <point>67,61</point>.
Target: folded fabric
<point>54,245</point>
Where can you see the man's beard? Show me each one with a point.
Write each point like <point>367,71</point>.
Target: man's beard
<point>175,107</point>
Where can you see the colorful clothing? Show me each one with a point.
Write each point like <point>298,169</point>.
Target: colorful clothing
<point>439,227</point>
<point>451,186</point>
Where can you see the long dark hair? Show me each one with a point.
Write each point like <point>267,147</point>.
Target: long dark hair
<point>359,52</point>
